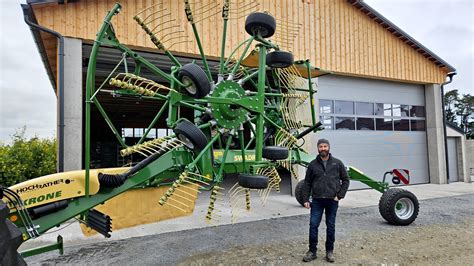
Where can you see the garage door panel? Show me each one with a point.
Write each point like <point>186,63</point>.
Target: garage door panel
<point>379,150</point>
<point>452,160</point>
<point>342,88</point>
<point>375,152</point>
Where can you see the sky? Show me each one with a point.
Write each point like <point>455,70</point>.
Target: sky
<point>27,98</point>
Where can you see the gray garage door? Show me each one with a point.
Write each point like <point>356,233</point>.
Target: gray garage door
<point>375,126</point>
<point>452,160</point>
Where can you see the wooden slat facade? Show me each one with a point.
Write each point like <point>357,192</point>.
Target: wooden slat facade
<point>334,35</point>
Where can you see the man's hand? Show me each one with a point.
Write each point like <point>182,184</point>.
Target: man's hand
<point>336,198</point>
<point>307,205</point>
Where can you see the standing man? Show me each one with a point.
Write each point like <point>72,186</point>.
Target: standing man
<point>327,181</point>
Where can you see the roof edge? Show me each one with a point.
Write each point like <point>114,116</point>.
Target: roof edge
<point>454,127</point>
<point>405,37</point>
<point>44,2</point>
<point>28,13</point>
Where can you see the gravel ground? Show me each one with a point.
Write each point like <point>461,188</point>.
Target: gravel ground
<point>441,235</point>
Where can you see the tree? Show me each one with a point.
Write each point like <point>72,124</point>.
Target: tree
<point>450,99</point>
<point>465,111</point>
<point>26,158</point>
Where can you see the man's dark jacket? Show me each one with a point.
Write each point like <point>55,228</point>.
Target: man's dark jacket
<point>325,182</point>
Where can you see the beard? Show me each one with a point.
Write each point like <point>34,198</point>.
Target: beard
<point>323,153</point>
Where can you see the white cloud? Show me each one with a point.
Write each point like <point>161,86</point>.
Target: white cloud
<point>26,95</point>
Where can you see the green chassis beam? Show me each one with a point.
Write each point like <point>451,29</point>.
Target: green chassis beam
<point>39,250</point>
<point>160,169</point>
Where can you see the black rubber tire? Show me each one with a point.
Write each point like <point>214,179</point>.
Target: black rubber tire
<point>275,153</point>
<point>279,59</point>
<point>387,206</point>
<point>260,23</point>
<point>253,181</point>
<point>194,73</point>
<point>299,192</point>
<point>10,239</point>
<point>191,135</point>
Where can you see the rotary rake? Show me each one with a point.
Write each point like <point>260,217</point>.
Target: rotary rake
<point>246,120</point>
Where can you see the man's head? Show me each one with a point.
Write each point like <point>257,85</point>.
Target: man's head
<point>323,147</point>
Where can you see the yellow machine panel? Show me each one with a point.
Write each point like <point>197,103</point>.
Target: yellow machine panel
<point>59,186</point>
<point>140,206</point>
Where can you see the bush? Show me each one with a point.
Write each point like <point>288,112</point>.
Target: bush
<point>26,159</point>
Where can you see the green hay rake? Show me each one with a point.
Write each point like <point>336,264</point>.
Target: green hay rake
<point>246,120</point>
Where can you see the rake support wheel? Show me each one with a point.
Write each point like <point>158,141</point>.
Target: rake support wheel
<point>279,59</point>
<point>261,24</point>
<point>195,79</point>
<point>299,192</point>
<point>190,135</point>
<point>398,206</point>
<point>253,181</point>
<point>275,153</point>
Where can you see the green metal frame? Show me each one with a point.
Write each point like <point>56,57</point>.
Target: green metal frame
<point>43,249</point>
<point>172,163</point>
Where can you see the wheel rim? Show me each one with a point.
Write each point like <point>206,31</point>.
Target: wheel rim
<point>186,141</point>
<point>263,31</point>
<point>189,85</point>
<point>404,208</point>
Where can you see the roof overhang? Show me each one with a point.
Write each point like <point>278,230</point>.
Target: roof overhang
<point>399,33</point>
<point>29,15</point>
<point>454,127</point>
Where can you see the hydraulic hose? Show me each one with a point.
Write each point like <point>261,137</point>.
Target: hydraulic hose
<point>113,181</point>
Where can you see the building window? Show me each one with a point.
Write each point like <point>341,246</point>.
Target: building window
<point>417,125</point>
<point>348,115</point>
<point>383,109</point>
<point>152,134</point>
<point>417,111</point>
<point>401,125</point>
<point>405,110</point>
<point>344,123</point>
<point>325,107</point>
<point>383,124</point>
<point>364,108</point>
<point>364,123</point>
<point>344,107</point>
<point>327,122</point>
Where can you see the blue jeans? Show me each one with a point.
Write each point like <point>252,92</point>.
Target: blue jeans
<point>318,206</point>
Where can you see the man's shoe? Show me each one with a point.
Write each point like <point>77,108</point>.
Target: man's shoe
<point>330,256</point>
<point>309,256</point>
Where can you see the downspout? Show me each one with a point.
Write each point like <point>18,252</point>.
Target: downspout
<point>60,85</point>
<point>450,76</point>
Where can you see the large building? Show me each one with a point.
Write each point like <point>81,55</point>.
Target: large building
<point>381,106</point>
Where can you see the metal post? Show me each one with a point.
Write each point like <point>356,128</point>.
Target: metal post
<point>90,84</point>
<point>260,95</point>
<point>311,93</point>
<point>224,34</point>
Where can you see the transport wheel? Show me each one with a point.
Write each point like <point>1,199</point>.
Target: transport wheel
<point>10,239</point>
<point>275,153</point>
<point>279,59</point>
<point>299,193</point>
<point>398,206</point>
<point>190,135</point>
<point>195,79</point>
<point>253,181</point>
<point>260,23</point>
